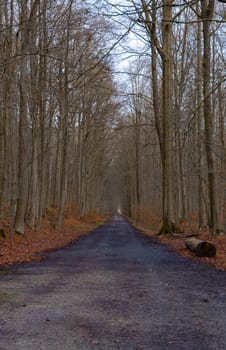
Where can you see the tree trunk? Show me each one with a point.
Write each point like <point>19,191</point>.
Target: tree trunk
<point>207,15</point>
<point>166,139</point>
<point>200,128</point>
<point>201,248</point>
<point>169,220</point>
<point>19,223</point>
<point>155,92</point>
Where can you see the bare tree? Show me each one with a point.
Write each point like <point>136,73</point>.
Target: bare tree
<point>207,8</point>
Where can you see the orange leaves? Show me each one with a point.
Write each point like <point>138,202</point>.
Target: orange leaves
<point>218,240</point>
<point>16,248</point>
<point>93,218</point>
<point>177,243</point>
<point>71,222</point>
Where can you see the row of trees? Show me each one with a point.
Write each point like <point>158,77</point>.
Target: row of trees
<point>173,138</point>
<point>68,142</point>
<point>57,99</point>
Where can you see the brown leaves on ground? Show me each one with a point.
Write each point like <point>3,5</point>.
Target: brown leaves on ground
<point>16,248</point>
<point>219,261</point>
<point>177,243</point>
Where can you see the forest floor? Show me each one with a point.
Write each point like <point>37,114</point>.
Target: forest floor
<point>33,245</point>
<point>177,243</point>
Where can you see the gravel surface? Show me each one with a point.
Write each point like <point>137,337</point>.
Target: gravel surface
<point>113,289</point>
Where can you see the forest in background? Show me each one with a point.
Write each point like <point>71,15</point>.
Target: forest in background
<point>78,138</point>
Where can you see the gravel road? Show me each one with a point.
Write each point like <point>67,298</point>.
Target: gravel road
<point>113,289</point>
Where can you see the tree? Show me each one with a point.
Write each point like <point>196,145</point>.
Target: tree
<point>207,8</point>
<point>26,19</point>
<point>167,142</point>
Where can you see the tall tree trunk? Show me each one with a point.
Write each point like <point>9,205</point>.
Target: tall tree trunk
<point>200,128</point>
<point>19,223</point>
<point>169,217</point>
<point>65,124</point>
<point>154,75</point>
<point>6,19</point>
<point>137,164</point>
<point>42,101</point>
<point>207,15</point>
<point>26,20</point>
<point>167,145</point>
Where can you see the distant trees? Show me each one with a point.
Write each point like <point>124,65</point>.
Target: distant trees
<point>185,112</point>
<point>70,143</point>
<point>57,100</point>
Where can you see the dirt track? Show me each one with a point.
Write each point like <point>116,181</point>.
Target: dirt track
<point>113,289</point>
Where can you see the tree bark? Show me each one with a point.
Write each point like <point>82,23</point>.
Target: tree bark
<point>167,146</point>
<point>200,129</point>
<point>169,219</point>
<point>19,222</point>
<point>207,15</point>
<point>201,248</point>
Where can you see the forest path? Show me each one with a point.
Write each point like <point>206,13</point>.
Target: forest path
<point>113,289</point>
